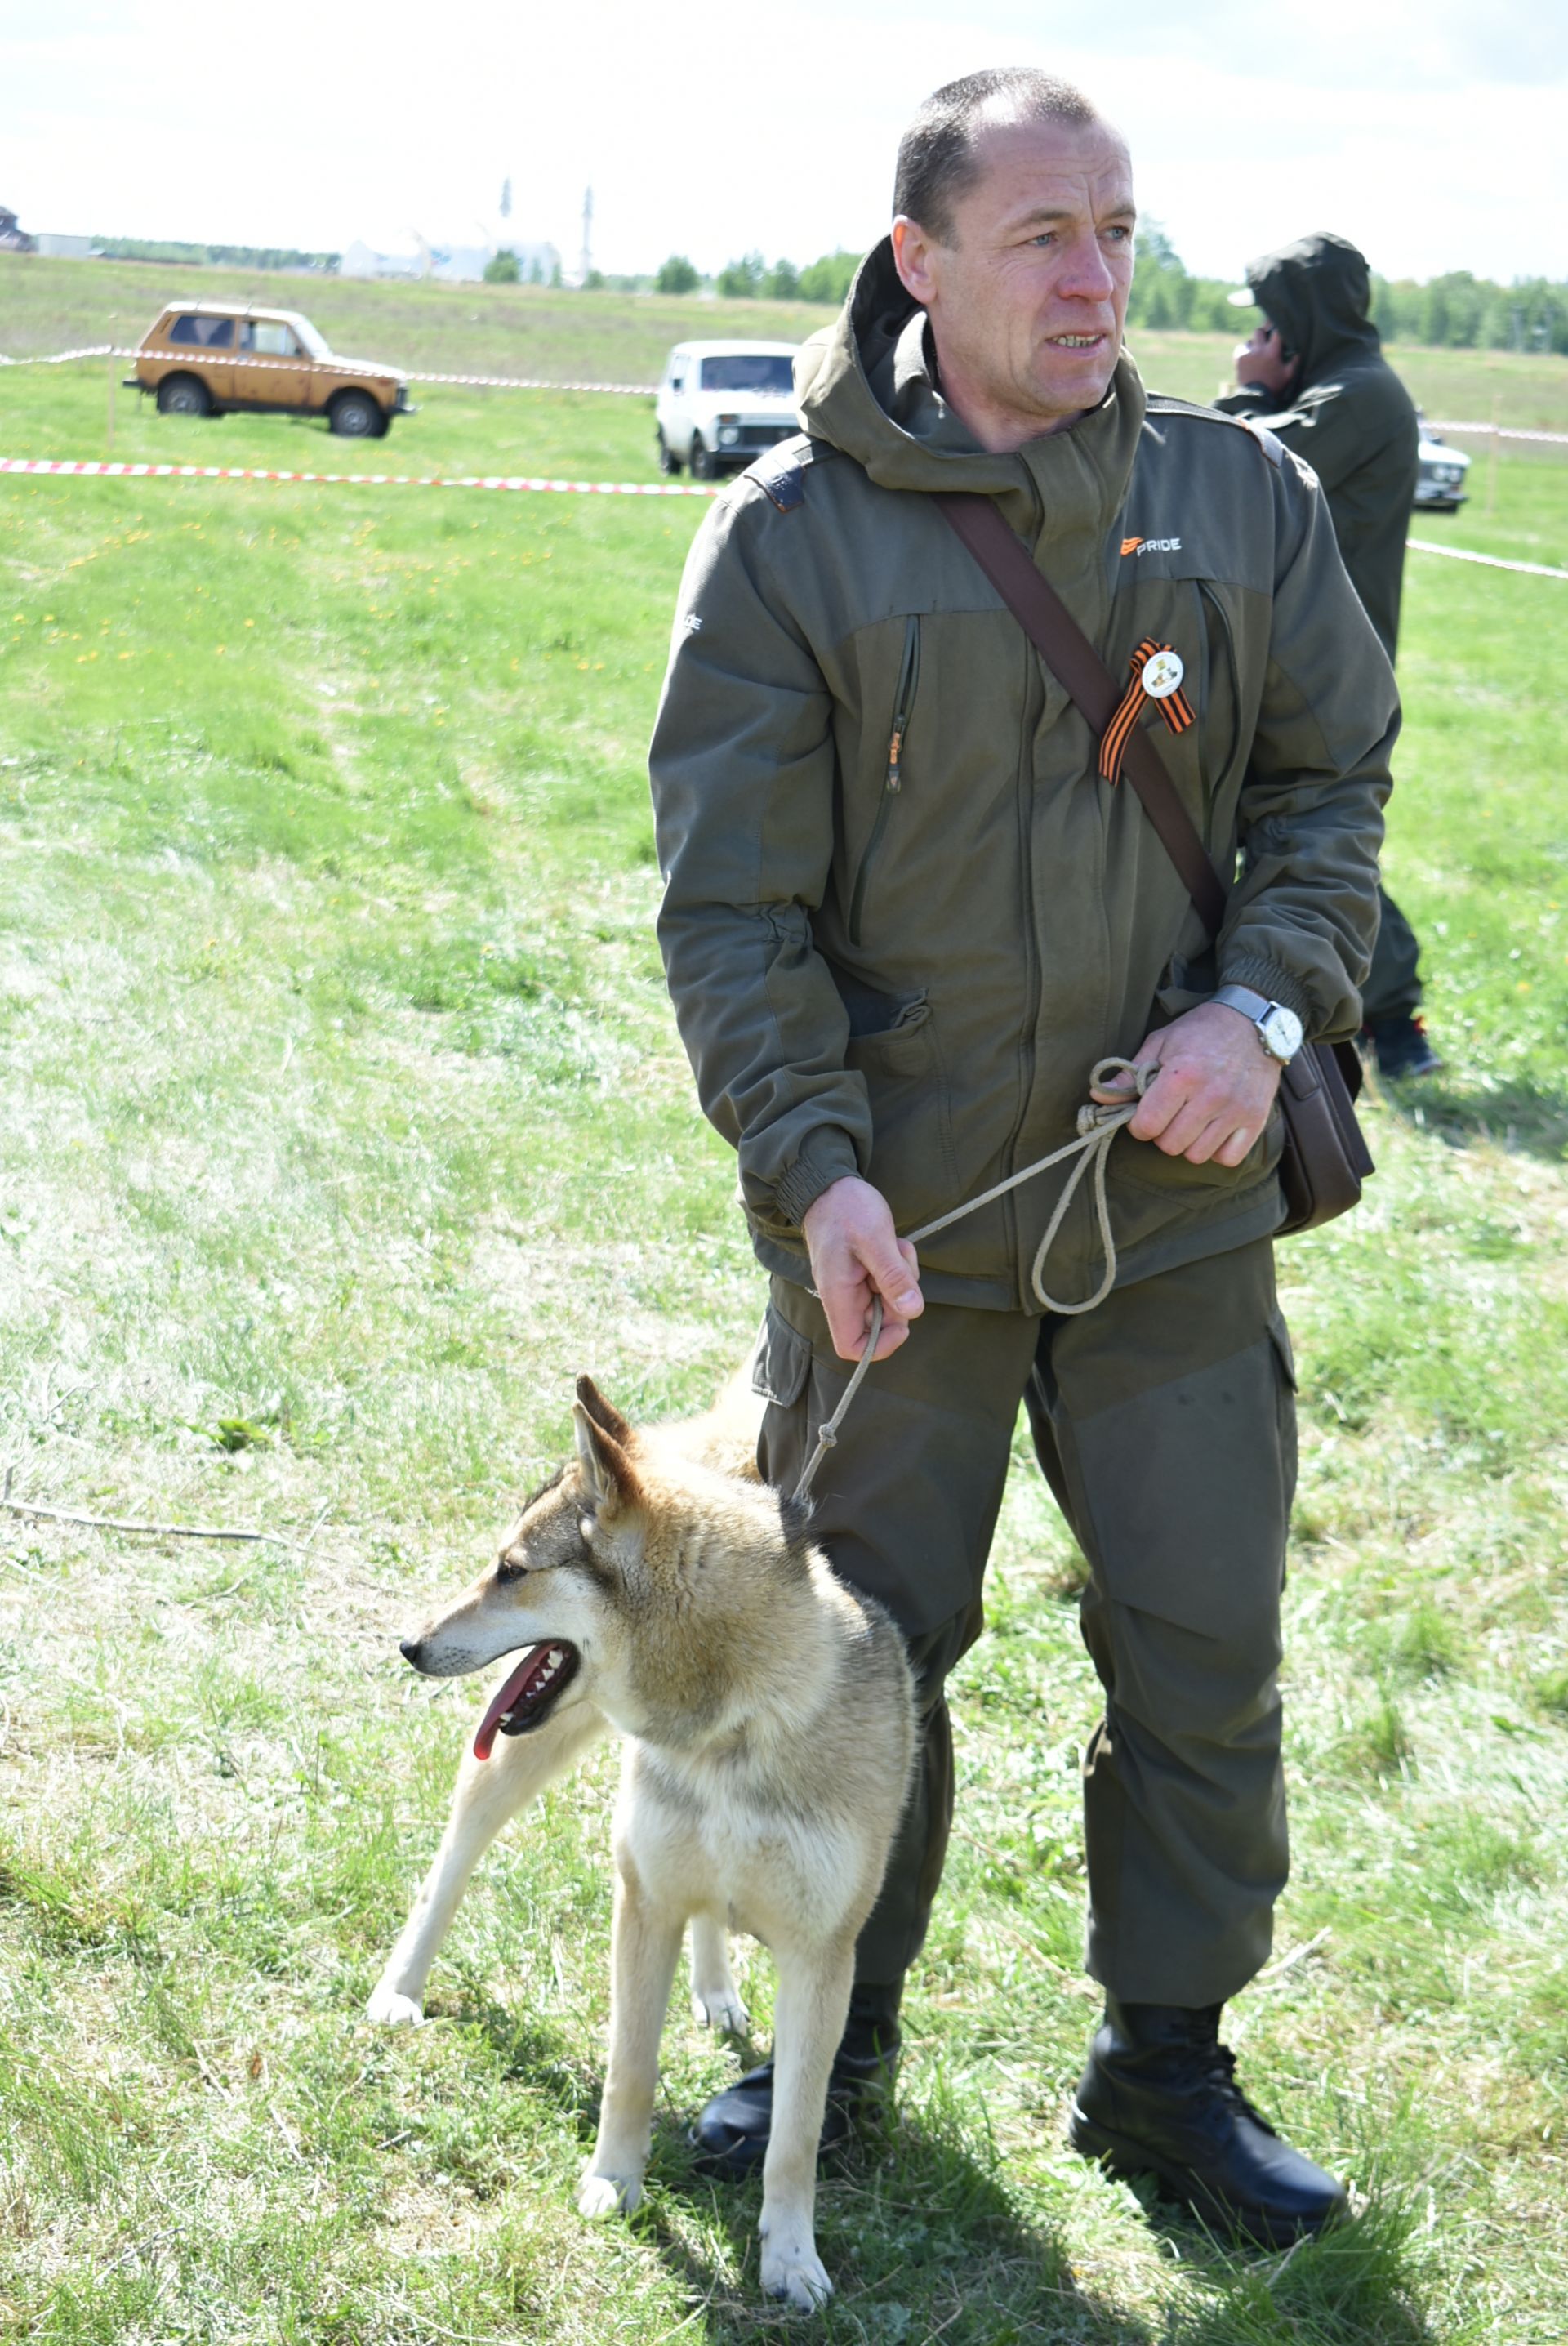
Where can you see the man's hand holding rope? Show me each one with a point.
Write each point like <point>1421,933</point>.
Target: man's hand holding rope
<point>856,1255</point>
<point>1209,1100</point>
<point>1216,1086</point>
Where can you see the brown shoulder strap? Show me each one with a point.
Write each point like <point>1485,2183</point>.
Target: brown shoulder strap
<point>1072,658</point>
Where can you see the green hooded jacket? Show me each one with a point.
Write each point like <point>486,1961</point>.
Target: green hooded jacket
<point>903,916</point>
<point>1349,415</point>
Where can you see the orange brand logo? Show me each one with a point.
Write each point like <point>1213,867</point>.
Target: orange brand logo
<point>1131,545</point>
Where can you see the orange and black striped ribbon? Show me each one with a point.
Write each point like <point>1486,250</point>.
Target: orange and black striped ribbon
<point>1174,709</point>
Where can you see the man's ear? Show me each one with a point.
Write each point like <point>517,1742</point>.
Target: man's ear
<point>610,1483</point>
<point>911,258</point>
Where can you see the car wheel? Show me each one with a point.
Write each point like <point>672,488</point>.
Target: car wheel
<point>356,416</point>
<point>183,395</point>
<point>704,463</point>
<point>667,463</point>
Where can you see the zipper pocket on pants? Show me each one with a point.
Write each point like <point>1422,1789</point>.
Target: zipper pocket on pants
<point>892,782</point>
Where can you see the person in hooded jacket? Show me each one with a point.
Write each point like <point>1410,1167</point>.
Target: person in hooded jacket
<point>1313,373</point>
<point>904,917</point>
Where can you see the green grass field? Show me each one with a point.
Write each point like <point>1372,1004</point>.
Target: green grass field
<point>344,1120</point>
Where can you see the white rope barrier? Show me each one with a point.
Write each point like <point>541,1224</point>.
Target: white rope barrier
<point>1490,561</point>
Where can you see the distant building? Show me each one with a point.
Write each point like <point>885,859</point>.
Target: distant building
<point>459,264</point>
<point>361,260</point>
<point>65,248</point>
<point>14,237</point>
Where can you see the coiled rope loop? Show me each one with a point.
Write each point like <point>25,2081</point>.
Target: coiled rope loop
<point>1098,1125</point>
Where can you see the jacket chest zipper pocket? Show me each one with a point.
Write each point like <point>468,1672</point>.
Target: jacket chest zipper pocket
<point>1213,769</point>
<point>894,779</point>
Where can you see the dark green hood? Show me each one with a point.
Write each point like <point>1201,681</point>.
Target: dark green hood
<point>1319,293</point>
<point>867,384</point>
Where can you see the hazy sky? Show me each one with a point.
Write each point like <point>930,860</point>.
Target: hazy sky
<point>1434,135</point>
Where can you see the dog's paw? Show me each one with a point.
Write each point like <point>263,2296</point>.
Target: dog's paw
<point>608,2195</point>
<point>389,2009</point>
<point>792,2270</point>
<point>720,2007</point>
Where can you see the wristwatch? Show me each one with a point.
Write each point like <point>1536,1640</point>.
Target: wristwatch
<point>1279,1030</point>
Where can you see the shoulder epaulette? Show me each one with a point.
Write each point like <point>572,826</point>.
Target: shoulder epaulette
<point>1159,404</point>
<point>1273,448</point>
<point>781,472</point>
<point>782,476</point>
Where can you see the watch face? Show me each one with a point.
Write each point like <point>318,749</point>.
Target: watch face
<point>1282,1030</point>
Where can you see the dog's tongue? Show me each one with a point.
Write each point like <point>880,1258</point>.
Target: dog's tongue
<point>505,1698</point>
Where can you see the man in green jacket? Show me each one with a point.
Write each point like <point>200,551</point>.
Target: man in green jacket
<point>1313,372</point>
<point>903,919</point>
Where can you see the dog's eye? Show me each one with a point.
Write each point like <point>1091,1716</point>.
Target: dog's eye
<point>507,1568</point>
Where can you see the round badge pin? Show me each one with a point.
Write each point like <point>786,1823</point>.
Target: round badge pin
<point>1161,674</point>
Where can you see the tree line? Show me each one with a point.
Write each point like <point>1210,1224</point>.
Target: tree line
<point>751,279</point>
<point>1455,312</point>
<point>211,256</point>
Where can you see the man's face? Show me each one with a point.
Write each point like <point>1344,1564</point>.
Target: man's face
<point>1028,296</point>
<point>1260,361</point>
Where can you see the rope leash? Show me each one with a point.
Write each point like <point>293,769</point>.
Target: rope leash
<point>1098,1125</point>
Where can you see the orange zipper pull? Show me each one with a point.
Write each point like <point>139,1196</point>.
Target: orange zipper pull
<point>895,752</point>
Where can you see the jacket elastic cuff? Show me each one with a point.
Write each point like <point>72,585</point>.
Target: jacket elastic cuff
<point>828,1156</point>
<point>1268,977</point>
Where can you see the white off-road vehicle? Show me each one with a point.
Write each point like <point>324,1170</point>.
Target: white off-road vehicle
<point>722,403</point>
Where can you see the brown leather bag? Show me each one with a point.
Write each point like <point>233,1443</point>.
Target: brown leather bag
<point>1325,1159</point>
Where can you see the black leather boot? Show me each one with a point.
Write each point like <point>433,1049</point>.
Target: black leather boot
<point>731,2132</point>
<point>1159,2097</point>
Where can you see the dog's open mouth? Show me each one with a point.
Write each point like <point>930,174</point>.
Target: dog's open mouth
<point>529,1694</point>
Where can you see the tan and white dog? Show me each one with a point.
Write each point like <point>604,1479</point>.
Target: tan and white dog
<point>767,1717</point>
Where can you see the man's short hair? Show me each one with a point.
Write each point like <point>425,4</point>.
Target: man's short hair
<point>937,154</point>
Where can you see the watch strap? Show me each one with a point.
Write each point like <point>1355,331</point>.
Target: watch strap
<point>1256,1006</point>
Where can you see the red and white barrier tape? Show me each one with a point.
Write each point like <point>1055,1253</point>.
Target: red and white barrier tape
<point>518,482</point>
<point>214,355</point>
<point>537,382</point>
<point>356,480</point>
<point>1504,432</point>
<point>1490,561</point>
<point>64,358</point>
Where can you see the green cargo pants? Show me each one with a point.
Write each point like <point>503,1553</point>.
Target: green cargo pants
<point>1164,1422</point>
<point>1393,989</point>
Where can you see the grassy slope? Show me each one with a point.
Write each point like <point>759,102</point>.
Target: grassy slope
<point>54,305</point>
<point>344,1118</point>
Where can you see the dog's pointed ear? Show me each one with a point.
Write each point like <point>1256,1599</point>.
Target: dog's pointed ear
<point>607,1473</point>
<point>608,1420</point>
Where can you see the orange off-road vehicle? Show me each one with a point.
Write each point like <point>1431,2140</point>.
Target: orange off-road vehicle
<point>212,358</point>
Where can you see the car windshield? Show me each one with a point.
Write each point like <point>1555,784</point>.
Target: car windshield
<point>314,341</point>
<point>748,371</point>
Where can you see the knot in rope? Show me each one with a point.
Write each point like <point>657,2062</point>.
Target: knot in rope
<point>1099,1121</point>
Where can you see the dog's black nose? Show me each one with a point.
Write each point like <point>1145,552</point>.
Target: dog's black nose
<point>409,1648</point>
